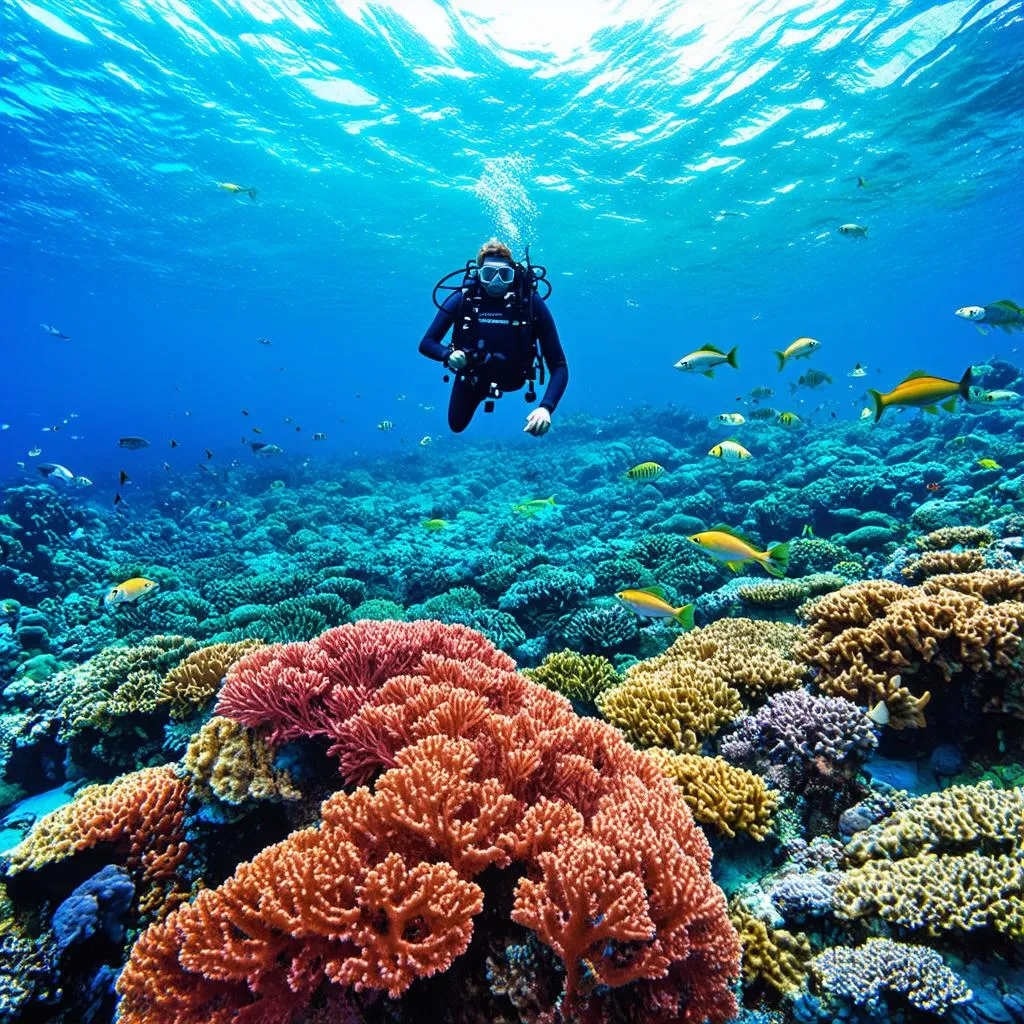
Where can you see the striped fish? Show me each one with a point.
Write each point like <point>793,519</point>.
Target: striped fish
<point>645,471</point>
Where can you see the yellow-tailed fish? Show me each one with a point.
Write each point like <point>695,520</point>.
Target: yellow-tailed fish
<point>130,590</point>
<point>730,450</point>
<point>650,602</point>
<point>989,464</point>
<point>705,359</point>
<point>730,546</point>
<point>922,391</point>
<point>731,419</point>
<point>532,507</point>
<point>645,471</point>
<point>435,524</point>
<point>789,419</point>
<point>802,348</point>
<point>227,186</point>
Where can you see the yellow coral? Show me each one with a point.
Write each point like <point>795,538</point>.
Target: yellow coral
<point>728,798</point>
<point>194,681</point>
<point>228,761</point>
<point>935,563</point>
<point>771,956</point>
<point>956,536</point>
<point>576,676</point>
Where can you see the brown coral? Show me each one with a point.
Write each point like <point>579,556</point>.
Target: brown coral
<point>771,956</point>
<point>955,536</point>
<point>232,763</point>
<point>193,682</point>
<point>935,563</point>
<point>139,815</point>
<point>878,640</point>
<point>729,799</point>
<point>688,693</point>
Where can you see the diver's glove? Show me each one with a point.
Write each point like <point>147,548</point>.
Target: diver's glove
<point>456,360</point>
<point>538,422</point>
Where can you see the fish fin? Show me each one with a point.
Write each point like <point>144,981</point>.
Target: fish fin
<point>252,194</point>
<point>708,373</point>
<point>878,398</point>
<point>778,559</point>
<point>684,616</point>
<point>914,374</point>
<point>731,358</point>
<point>965,382</point>
<point>781,356</point>
<point>735,566</point>
<point>1009,304</point>
<point>733,532</point>
<point>711,348</point>
<point>879,714</point>
<point>551,500</point>
<point>950,405</point>
<point>983,331</point>
<point>653,591</point>
<point>931,410</point>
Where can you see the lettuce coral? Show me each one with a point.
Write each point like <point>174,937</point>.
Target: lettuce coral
<point>484,769</point>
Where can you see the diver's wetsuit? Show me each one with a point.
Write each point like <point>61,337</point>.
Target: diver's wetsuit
<point>510,350</point>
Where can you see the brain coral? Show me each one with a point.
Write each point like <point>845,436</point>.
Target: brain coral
<point>878,640</point>
<point>604,864</point>
<point>678,698</point>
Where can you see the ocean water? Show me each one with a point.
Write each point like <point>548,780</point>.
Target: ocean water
<point>681,170</point>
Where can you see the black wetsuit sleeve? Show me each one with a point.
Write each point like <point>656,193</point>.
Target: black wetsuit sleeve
<point>554,357</point>
<point>432,345</point>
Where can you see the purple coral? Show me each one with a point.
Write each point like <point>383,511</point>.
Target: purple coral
<point>796,728</point>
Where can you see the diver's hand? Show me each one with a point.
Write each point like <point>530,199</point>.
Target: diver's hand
<point>457,360</point>
<point>538,422</point>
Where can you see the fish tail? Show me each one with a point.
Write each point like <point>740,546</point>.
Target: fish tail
<point>965,382</point>
<point>781,356</point>
<point>879,400</point>
<point>551,500</point>
<point>252,193</point>
<point>731,358</point>
<point>777,561</point>
<point>684,616</point>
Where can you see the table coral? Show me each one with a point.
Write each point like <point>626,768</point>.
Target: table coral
<point>878,640</point>
<point>193,682</point>
<point>580,677</point>
<point>227,761</point>
<point>489,771</point>
<point>679,698</point>
<point>140,816</point>
<point>880,968</point>
<point>729,799</point>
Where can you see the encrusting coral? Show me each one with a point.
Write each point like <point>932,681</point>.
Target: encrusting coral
<point>729,799</point>
<point>677,699</point>
<point>878,640</point>
<point>193,682</point>
<point>484,770</point>
<point>139,816</point>
<point>230,762</point>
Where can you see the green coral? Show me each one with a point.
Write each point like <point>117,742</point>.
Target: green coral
<point>577,676</point>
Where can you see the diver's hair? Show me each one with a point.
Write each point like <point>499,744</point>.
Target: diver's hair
<point>492,247</point>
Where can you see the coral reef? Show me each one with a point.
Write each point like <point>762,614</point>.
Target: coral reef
<point>581,677</point>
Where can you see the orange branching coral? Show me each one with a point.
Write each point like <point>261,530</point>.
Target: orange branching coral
<point>485,770</point>
<point>878,640</point>
<point>139,815</point>
<point>194,681</point>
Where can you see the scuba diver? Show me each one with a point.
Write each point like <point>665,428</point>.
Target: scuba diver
<point>502,337</point>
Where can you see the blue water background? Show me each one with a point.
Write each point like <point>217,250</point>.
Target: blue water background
<point>387,140</point>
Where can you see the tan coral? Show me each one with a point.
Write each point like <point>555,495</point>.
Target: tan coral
<point>955,536</point>
<point>193,682</point>
<point>935,563</point>
<point>771,956</point>
<point>729,799</point>
<point>230,762</point>
<point>878,640</point>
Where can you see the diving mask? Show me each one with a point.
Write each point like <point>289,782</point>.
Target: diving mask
<point>496,277</point>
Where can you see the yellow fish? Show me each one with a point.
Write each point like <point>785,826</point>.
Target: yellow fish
<point>730,450</point>
<point>650,602</point>
<point>645,471</point>
<point>236,189</point>
<point>789,419</point>
<point>922,391</point>
<point>705,359</point>
<point>733,419</point>
<point>802,348</point>
<point>130,590</point>
<point>531,508</point>
<point>435,524</point>
<point>989,464</point>
<point>730,546</point>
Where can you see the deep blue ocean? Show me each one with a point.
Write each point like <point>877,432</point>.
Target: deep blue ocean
<point>821,641</point>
